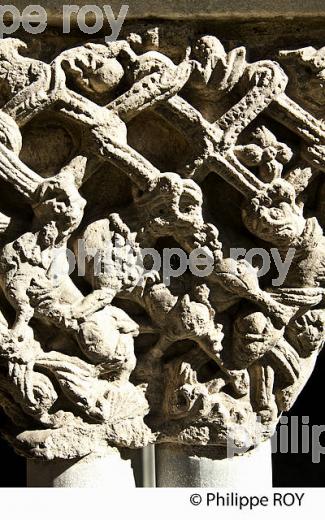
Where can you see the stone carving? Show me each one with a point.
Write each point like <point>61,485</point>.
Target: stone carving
<point>118,356</point>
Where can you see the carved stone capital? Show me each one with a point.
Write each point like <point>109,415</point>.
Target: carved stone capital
<point>114,153</point>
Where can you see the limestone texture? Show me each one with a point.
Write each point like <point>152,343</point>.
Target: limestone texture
<point>160,140</point>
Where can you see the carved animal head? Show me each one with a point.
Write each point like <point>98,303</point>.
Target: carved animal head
<point>185,396</point>
<point>107,337</point>
<point>173,205</point>
<point>306,68</point>
<point>60,201</point>
<point>274,215</point>
<point>307,332</point>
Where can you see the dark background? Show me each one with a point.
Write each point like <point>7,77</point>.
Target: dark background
<point>298,469</point>
<point>289,469</point>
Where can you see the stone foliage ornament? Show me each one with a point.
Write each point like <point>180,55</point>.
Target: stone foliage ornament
<point>119,146</point>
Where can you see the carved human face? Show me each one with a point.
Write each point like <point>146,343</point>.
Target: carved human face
<point>274,215</point>
<point>253,336</point>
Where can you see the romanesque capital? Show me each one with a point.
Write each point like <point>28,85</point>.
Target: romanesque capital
<point>162,261</point>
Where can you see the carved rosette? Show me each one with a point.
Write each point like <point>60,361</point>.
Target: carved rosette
<point>118,147</point>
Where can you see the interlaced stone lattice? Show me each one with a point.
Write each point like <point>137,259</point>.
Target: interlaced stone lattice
<point>110,143</point>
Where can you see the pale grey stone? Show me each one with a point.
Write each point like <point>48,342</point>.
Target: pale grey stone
<point>176,467</point>
<point>158,140</point>
<point>105,471</point>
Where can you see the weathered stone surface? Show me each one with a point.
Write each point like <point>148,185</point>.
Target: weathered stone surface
<point>156,143</point>
<point>205,9</point>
